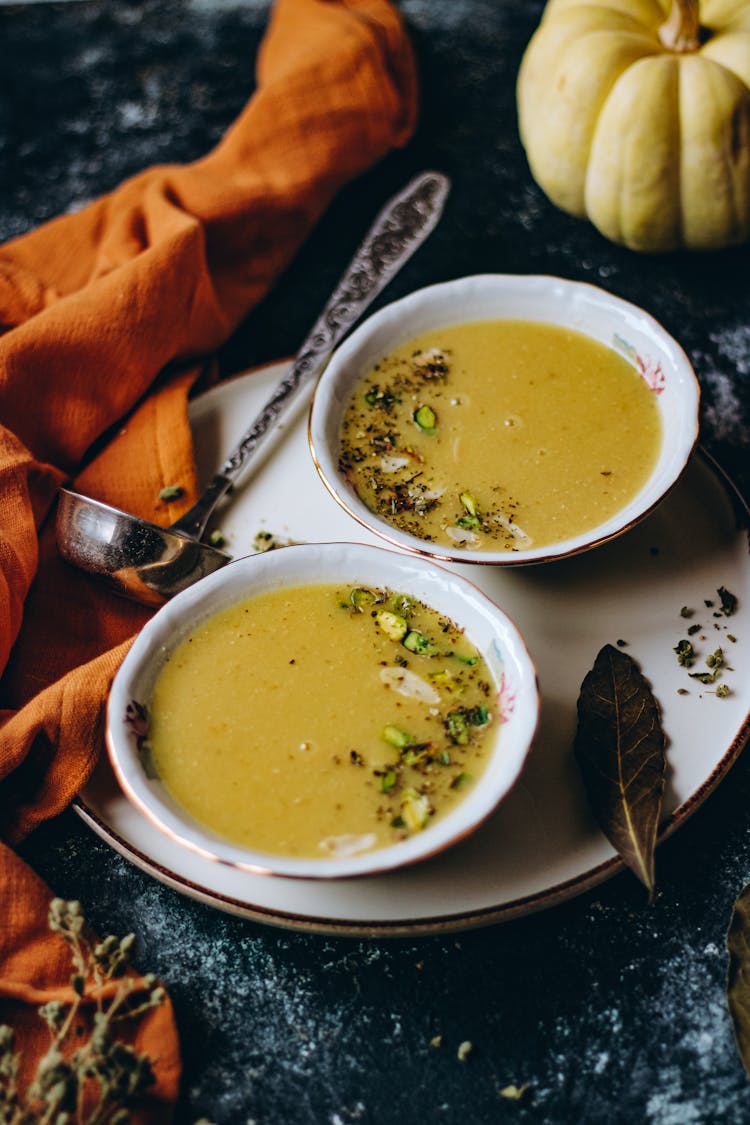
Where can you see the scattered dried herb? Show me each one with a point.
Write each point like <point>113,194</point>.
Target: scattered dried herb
<point>715,661</point>
<point>728,601</point>
<point>686,611</point>
<point>267,541</point>
<point>685,653</point>
<point>216,539</point>
<point>738,975</point>
<point>619,747</point>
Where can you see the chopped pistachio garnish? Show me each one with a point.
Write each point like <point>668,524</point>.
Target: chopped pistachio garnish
<point>388,781</point>
<point>415,809</point>
<point>470,503</point>
<point>394,736</point>
<point>426,418</point>
<point>401,604</point>
<point>457,728</point>
<point>417,642</point>
<point>360,598</point>
<point>171,492</point>
<point>392,624</point>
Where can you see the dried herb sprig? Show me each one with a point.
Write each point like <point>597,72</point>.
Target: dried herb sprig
<point>91,1082</point>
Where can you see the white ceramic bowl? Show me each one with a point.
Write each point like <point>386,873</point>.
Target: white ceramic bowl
<point>585,308</point>
<point>493,634</point>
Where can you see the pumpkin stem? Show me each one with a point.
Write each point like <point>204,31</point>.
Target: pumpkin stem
<point>681,32</point>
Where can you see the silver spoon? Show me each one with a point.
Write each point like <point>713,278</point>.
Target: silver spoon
<point>150,564</point>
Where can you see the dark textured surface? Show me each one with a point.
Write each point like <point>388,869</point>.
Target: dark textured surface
<point>611,1009</point>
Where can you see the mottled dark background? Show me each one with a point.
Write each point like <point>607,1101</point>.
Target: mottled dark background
<point>613,1010</point>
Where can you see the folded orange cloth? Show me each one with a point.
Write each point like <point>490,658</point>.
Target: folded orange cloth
<point>107,317</point>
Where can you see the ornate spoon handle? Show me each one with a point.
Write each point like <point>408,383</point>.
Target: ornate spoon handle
<point>399,229</point>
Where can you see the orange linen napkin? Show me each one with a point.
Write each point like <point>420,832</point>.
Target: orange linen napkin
<point>105,315</point>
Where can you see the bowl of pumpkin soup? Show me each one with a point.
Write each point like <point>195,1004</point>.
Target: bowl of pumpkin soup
<point>504,419</point>
<point>323,710</point>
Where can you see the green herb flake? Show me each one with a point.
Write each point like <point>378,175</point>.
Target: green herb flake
<point>461,780</point>
<point>723,690</point>
<point>216,539</point>
<point>171,492</point>
<point>686,611</point>
<point>694,629</point>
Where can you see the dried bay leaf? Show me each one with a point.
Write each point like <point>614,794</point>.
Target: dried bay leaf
<point>738,975</point>
<point>619,747</point>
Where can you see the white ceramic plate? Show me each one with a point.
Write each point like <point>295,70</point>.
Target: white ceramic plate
<point>542,845</point>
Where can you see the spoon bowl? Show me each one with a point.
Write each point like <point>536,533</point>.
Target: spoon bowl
<point>135,558</point>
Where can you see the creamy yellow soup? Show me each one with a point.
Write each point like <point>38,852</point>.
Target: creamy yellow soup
<point>322,721</point>
<point>500,435</point>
